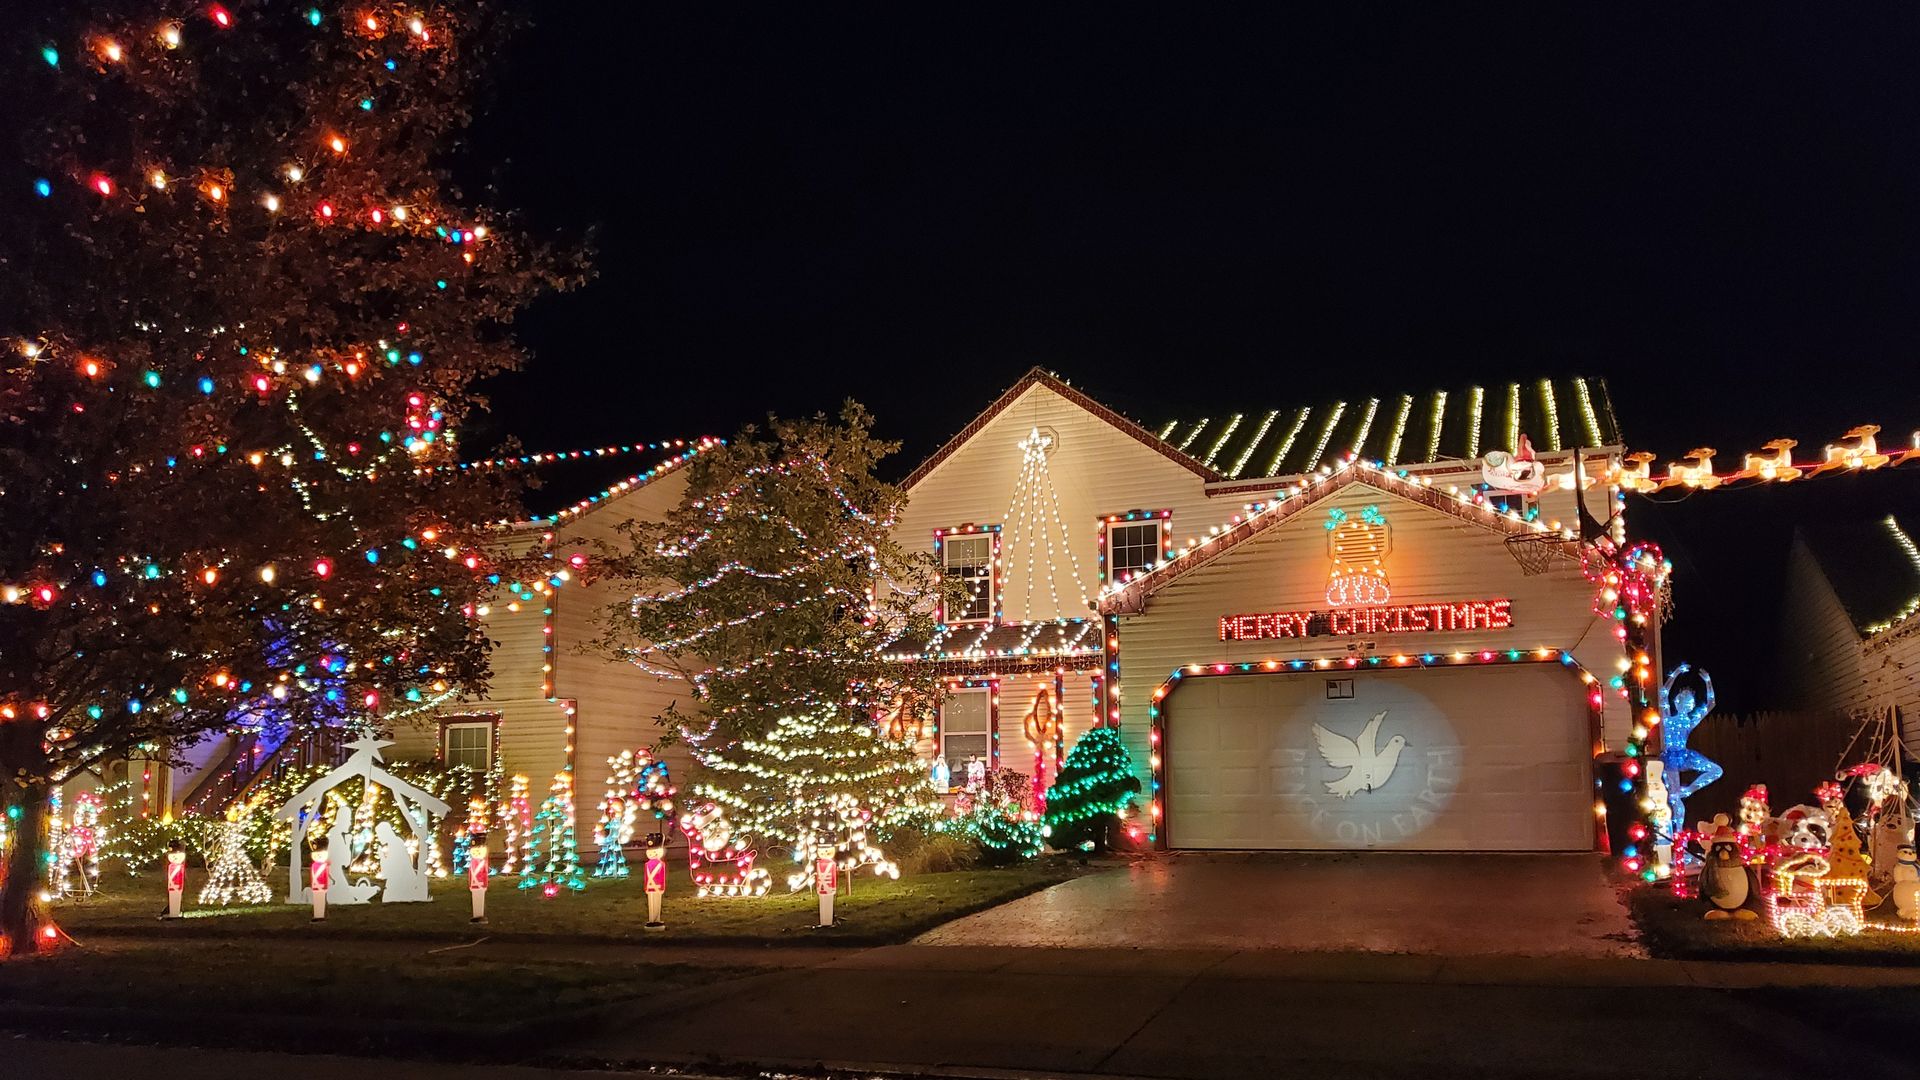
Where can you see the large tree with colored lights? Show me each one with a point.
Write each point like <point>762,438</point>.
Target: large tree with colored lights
<point>242,309</point>
<point>776,592</point>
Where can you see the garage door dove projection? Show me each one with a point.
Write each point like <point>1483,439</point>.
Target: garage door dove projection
<point>1367,767</point>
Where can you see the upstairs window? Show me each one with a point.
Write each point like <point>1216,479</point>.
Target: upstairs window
<point>1132,546</point>
<point>969,560</point>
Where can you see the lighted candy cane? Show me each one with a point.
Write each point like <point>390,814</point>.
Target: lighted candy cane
<point>1680,714</point>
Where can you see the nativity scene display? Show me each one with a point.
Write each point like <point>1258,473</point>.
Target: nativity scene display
<point>371,858</point>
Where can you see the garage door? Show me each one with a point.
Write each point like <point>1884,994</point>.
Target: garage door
<point>1466,759</point>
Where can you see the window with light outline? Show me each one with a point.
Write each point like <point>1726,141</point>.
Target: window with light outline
<point>1133,543</point>
<point>970,554</point>
<point>469,742</point>
<point>967,723</point>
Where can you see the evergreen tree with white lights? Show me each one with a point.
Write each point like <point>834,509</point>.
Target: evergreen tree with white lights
<point>1092,794</point>
<point>241,311</point>
<point>812,774</point>
<point>773,592</point>
<point>232,877</point>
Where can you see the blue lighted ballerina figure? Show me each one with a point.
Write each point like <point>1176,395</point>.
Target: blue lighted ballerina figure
<point>1680,714</point>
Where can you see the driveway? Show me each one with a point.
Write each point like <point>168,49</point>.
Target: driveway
<point>1443,905</point>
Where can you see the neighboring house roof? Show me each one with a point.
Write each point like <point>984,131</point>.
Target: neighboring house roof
<point>1400,429</point>
<point>1873,566</point>
<point>1132,597</point>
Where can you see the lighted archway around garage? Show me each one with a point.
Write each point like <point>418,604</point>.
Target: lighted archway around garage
<point>1470,755</point>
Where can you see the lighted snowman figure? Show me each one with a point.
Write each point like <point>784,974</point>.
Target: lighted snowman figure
<point>1358,548</point>
<point>1906,882</point>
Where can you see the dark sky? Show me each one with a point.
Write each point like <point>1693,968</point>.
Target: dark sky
<point>1188,216</point>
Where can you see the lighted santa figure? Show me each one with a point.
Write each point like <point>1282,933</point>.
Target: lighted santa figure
<point>477,874</point>
<point>176,877</point>
<point>656,880</point>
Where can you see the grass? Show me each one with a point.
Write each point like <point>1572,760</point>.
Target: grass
<point>877,911</point>
<point>420,979</point>
<point>1673,929</point>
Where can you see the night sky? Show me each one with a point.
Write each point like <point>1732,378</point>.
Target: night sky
<point>1188,217</point>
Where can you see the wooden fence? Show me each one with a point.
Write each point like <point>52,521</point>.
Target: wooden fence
<point>1789,752</point>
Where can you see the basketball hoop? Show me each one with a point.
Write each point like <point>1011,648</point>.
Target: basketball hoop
<point>1535,551</point>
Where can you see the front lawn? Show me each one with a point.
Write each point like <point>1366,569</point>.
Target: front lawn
<point>876,911</point>
<point>1673,929</point>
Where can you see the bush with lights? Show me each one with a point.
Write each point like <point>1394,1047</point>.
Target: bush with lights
<point>236,289</point>
<point>1093,792</point>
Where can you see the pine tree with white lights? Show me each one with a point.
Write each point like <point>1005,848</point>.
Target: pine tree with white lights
<point>783,590</point>
<point>241,313</point>
<point>808,770</point>
<point>1092,793</point>
<point>231,876</point>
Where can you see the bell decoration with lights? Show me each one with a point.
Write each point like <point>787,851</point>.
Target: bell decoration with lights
<point>656,880</point>
<point>1358,548</point>
<point>176,877</point>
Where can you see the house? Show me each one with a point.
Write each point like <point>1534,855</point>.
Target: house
<point>1849,637</point>
<point>1338,625</point>
<point>1300,652</point>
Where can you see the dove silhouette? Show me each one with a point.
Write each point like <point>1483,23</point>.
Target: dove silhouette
<point>1367,768</point>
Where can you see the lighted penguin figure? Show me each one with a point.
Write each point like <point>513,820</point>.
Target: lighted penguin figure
<point>1906,883</point>
<point>1723,877</point>
<point>1680,714</point>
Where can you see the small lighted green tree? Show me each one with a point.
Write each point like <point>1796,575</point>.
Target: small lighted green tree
<point>1092,792</point>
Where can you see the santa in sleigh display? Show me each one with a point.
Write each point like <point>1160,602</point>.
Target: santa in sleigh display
<point>721,863</point>
<point>1516,473</point>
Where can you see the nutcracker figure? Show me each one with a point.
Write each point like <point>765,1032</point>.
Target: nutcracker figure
<point>656,880</point>
<point>477,876</point>
<point>319,875</point>
<point>176,878</point>
<point>826,879</point>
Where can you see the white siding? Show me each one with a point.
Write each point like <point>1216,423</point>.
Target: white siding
<point>617,702</point>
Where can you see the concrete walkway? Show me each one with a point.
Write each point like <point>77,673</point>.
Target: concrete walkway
<point>1441,905</point>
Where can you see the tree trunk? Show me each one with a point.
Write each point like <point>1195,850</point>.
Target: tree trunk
<point>23,918</point>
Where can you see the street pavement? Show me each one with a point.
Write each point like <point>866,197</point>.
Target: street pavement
<point>1205,1014</point>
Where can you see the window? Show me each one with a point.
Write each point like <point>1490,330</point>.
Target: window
<point>467,742</point>
<point>969,559</point>
<point>1132,546</point>
<point>966,731</point>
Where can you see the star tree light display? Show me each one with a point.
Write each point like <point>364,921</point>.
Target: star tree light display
<point>240,314</point>
<point>785,589</point>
